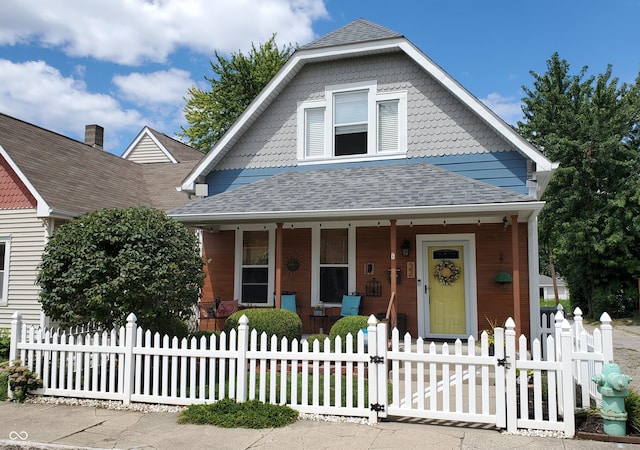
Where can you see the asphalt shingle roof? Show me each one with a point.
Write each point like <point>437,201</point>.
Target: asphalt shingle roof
<point>76,178</point>
<point>378,187</point>
<point>359,30</point>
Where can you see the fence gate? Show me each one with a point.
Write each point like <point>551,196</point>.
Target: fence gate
<point>461,382</point>
<point>466,382</point>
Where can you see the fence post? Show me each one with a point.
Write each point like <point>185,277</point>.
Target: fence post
<point>568,389</point>
<point>129,366</point>
<point>510,373</point>
<point>16,326</point>
<point>607,337</point>
<point>243,346</point>
<point>374,343</point>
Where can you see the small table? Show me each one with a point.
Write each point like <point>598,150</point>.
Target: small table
<point>323,318</point>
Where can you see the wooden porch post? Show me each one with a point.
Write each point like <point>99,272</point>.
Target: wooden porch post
<point>516,273</point>
<point>278,281</point>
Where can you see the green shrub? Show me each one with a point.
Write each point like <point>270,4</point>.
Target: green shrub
<point>317,337</point>
<point>171,327</point>
<point>632,405</point>
<point>227,413</point>
<point>200,333</point>
<point>4,385</point>
<point>22,381</point>
<point>348,325</point>
<point>280,322</point>
<point>5,342</point>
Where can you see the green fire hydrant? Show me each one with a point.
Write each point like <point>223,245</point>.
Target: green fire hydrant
<point>614,387</point>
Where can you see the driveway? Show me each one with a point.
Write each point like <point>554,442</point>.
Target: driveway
<point>626,350</point>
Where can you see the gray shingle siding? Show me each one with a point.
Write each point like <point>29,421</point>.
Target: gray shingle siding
<point>438,124</point>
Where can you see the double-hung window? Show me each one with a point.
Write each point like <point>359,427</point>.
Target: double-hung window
<point>254,272</point>
<point>4,270</point>
<point>333,275</point>
<point>353,121</point>
<point>334,264</point>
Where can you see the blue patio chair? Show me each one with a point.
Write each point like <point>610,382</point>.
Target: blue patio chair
<point>351,306</point>
<point>288,302</point>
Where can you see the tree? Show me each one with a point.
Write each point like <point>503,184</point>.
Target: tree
<point>236,82</point>
<point>590,225</point>
<point>105,265</point>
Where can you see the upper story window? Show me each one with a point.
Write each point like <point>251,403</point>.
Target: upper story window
<point>353,121</point>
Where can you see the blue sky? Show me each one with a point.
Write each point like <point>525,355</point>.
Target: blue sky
<point>125,64</point>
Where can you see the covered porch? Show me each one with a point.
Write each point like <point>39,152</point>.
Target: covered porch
<point>315,235</point>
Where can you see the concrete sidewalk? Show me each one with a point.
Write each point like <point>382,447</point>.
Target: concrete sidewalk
<point>57,426</point>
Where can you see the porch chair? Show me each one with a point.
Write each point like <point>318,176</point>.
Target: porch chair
<point>351,306</point>
<point>207,311</point>
<point>225,309</point>
<point>288,302</point>
<point>216,310</point>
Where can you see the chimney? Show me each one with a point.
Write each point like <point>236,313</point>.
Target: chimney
<point>94,136</point>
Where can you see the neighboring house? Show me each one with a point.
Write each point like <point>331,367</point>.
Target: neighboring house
<point>47,179</point>
<point>546,288</point>
<point>362,158</point>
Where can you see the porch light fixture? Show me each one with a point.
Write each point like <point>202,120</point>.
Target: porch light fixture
<point>505,222</point>
<point>405,247</point>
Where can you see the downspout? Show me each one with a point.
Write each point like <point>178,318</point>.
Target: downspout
<point>516,273</point>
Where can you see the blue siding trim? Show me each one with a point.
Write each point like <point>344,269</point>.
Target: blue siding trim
<point>507,170</point>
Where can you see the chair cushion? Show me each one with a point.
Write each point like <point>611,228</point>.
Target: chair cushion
<point>288,302</point>
<point>350,305</point>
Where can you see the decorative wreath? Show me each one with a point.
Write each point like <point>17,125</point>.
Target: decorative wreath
<point>446,272</point>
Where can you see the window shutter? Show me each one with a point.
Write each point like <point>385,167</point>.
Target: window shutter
<point>388,126</point>
<point>314,132</point>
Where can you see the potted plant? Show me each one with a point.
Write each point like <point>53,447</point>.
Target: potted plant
<point>493,323</point>
<point>318,310</point>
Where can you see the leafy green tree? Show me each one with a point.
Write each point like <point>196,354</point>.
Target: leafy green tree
<point>107,264</point>
<point>590,225</point>
<point>236,82</point>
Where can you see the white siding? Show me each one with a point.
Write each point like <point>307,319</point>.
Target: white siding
<point>147,151</point>
<point>27,235</point>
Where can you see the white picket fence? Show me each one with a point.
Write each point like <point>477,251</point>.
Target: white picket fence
<point>425,380</point>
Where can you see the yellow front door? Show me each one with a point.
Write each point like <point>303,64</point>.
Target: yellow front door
<point>446,296</point>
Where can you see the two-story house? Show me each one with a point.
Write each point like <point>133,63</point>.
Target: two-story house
<point>364,167</point>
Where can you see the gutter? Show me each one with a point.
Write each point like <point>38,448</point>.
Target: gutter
<point>524,209</point>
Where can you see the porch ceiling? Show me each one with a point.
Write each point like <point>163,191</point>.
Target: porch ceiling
<point>395,191</point>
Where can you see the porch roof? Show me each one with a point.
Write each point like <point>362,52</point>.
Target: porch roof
<point>394,191</point>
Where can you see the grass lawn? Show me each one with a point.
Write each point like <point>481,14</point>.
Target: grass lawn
<point>552,303</point>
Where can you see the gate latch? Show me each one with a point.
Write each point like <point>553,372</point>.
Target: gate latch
<point>377,407</point>
<point>503,362</point>
<point>376,359</point>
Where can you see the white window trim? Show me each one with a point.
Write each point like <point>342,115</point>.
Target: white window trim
<point>237,276</point>
<point>4,294</point>
<point>372,136</point>
<point>315,262</point>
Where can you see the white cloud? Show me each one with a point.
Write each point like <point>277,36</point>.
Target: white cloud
<point>39,93</point>
<point>508,108</point>
<point>165,87</point>
<point>133,31</point>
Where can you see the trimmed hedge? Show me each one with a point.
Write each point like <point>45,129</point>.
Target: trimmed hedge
<point>348,325</point>
<point>317,337</point>
<point>280,322</point>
